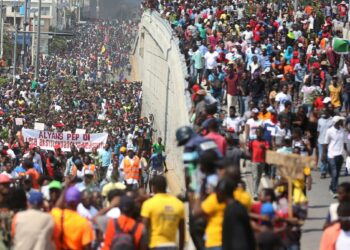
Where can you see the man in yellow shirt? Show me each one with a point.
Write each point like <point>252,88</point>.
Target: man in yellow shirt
<point>163,215</point>
<point>335,92</point>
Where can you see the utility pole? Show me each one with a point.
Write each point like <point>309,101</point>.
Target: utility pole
<point>98,9</point>
<point>24,44</point>
<point>15,47</point>
<point>1,29</point>
<point>38,44</point>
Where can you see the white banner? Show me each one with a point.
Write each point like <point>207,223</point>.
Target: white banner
<point>48,140</point>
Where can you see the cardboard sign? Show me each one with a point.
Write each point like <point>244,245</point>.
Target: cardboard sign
<point>80,131</point>
<point>19,121</point>
<point>39,126</point>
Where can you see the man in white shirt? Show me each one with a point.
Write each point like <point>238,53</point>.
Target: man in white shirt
<point>323,124</point>
<point>282,97</point>
<point>233,123</point>
<point>333,150</point>
<point>210,58</point>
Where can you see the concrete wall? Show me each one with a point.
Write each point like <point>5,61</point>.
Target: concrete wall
<point>162,70</point>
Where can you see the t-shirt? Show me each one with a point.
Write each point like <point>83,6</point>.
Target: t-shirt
<point>106,157</point>
<point>87,213</point>
<point>253,126</point>
<point>334,93</point>
<point>282,98</point>
<point>335,138</point>
<point>197,57</point>
<point>323,125</point>
<point>343,241</point>
<point>211,59</point>
<point>35,177</point>
<point>279,134</point>
<point>219,140</point>
<point>258,149</point>
<point>164,212</point>
<point>32,229</point>
<point>77,230</point>
<point>215,212</point>
<point>237,231</point>
<point>233,124</point>
<point>158,148</point>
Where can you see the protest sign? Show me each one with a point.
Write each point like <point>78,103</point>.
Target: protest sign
<point>80,131</point>
<point>19,121</point>
<point>48,140</point>
<point>39,126</point>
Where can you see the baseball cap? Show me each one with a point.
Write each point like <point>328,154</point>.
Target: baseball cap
<point>57,146</point>
<point>122,149</point>
<point>55,184</point>
<point>131,148</point>
<point>72,195</point>
<point>337,118</point>
<point>4,179</point>
<point>35,198</point>
<point>32,146</point>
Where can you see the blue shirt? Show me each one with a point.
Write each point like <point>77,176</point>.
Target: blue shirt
<point>156,162</point>
<point>106,156</point>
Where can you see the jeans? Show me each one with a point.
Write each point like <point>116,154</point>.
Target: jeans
<point>321,165</point>
<point>243,104</point>
<point>257,171</point>
<point>334,166</point>
<point>213,248</point>
<point>346,101</point>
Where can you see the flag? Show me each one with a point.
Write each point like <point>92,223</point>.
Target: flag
<point>340,46</point>
<point>103,50</point>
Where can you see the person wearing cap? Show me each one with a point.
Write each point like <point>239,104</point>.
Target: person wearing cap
<point>333,150</point>
<point>32,228</point>
<point>131,169</point>
<point>71,231</point>
<point>54,192</point>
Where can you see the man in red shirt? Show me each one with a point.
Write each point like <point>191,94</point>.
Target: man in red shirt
<point>258,149</point>
<point>213,128</point>
<point>231,83</point>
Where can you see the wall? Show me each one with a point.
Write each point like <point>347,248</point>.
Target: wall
<point>162,69</point>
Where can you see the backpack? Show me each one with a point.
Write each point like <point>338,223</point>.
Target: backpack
<point>123,240</point>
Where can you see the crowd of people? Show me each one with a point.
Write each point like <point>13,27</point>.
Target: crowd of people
<point>75,199</point>
<point>263,76</point>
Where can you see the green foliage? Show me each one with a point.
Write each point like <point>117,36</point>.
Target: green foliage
<point>57,44</point>
<point>3,80</point>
